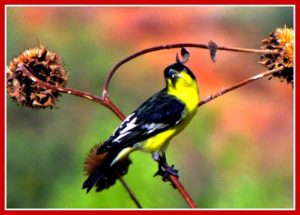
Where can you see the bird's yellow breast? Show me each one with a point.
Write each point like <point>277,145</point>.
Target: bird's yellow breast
<point>185,90</point>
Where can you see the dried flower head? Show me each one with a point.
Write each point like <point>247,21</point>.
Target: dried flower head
<point>44,65</point>
<point>281,40</point>
<point>120,168</point>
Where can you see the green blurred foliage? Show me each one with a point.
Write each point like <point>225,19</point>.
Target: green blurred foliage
<point>236,153</point>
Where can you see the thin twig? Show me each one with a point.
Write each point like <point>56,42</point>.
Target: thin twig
<point>173,46</point>
<point>131,194</point>
<point>240,84</point>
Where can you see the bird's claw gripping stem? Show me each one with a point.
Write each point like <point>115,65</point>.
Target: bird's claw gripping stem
<point>164,170</point>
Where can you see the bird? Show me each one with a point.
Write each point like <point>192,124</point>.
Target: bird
<point>149,128</point>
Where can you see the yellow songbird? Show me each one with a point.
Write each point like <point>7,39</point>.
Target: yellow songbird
<point>150,127</point>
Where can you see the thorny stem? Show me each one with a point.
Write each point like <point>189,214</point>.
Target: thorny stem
<point>173,46</point>
<point>240,84</point>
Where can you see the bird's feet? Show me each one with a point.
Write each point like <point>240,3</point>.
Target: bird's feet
<point>164,170</point>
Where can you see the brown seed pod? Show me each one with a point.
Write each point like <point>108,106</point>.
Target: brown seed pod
<point>93,161</point>
<point>46,66</point>
<point>282,40</point>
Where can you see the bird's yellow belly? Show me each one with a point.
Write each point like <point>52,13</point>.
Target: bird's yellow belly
<point>161,141</point>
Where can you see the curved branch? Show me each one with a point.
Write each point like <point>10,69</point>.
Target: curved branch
<point>173,46</point>
<point>105,102</point>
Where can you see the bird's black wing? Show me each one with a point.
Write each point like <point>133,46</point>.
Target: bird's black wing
<point>158,113</point>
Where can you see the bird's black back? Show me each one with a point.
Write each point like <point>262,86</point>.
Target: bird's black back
<point>158,113</point>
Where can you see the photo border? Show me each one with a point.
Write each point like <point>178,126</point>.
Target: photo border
<point>5,211</point>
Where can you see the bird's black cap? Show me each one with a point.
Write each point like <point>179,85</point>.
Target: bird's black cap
<point>178,67</point>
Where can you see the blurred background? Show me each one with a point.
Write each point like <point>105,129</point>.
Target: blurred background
<point>236,153</point>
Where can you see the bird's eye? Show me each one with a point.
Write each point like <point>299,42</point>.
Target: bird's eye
<point>172,74</point>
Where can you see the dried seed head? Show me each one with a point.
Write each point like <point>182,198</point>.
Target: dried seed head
<point>282,41</point>
<point>46,66</point>
<point>93,161</point>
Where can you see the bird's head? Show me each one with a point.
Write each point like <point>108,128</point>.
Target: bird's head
<point>179,76</point>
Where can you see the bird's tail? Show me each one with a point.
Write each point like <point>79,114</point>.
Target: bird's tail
<point>99,170</point>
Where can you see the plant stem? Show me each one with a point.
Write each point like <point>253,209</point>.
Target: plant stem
<point>173,46</point>
<point>240,84</point>
<point>131,194</point>
<point>174,180</point>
